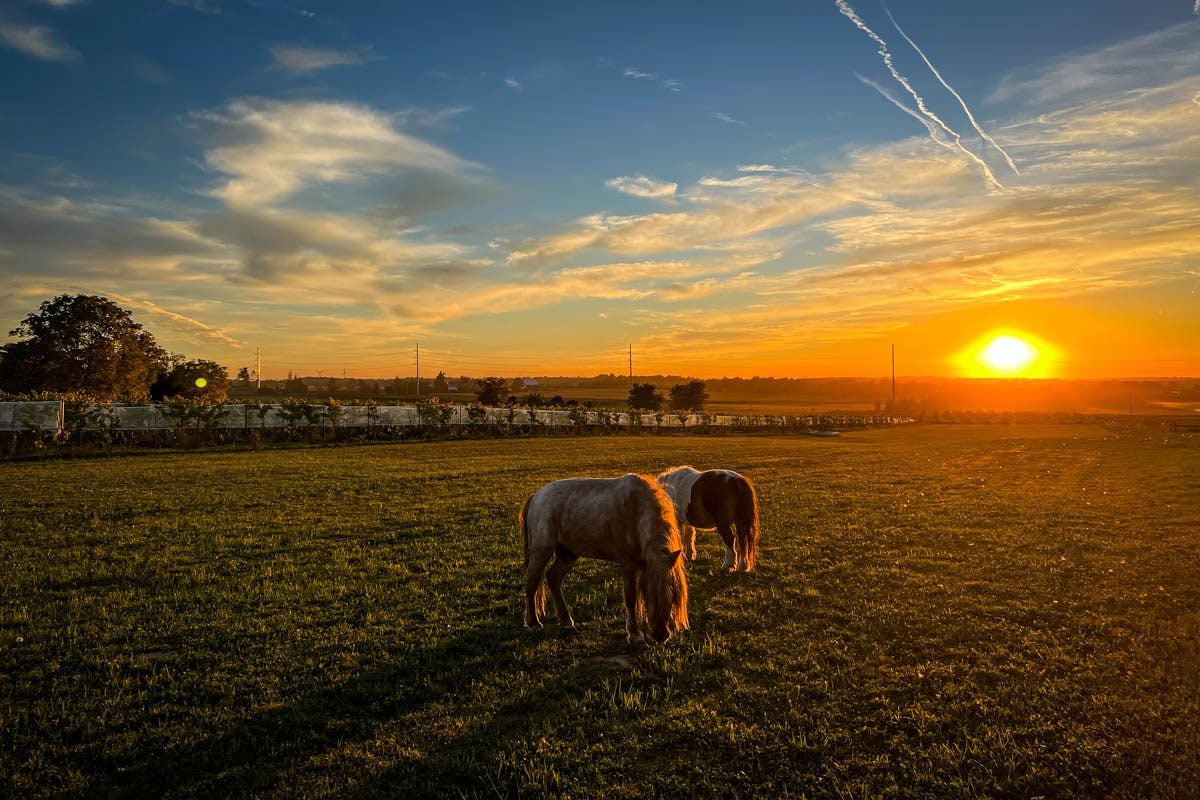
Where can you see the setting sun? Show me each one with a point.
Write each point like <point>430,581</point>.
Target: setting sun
<point>1007,354</point>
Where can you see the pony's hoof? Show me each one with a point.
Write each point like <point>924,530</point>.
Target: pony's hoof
<point>533,626</point>
<point>568,630</point>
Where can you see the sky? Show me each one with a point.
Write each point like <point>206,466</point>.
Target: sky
<point>773,189</point>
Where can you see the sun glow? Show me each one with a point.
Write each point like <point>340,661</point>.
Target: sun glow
<point>1007,354</point>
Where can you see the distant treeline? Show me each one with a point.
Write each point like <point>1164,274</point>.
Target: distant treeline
<point>912,395</point>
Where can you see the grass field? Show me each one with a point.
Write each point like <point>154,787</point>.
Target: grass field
<point>939,611</point>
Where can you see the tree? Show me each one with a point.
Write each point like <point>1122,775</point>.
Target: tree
<point>688,396</point>
<point>439,384</point>
<point>491,391</point>
<point>196,380</point>
<point>244,375</point>
<point>82,343</point>
<point>645,396</point>
<point>517,385</point>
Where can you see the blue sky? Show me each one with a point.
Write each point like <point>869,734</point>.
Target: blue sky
<point>731,189</point>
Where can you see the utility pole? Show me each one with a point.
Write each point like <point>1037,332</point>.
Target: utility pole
<point>418,370</point>
<point>893,379</point>
<point>257,368</point>
<point>631,366</point>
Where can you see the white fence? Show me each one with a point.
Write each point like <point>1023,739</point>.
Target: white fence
<point>49,416</point>
<point>33,415</point>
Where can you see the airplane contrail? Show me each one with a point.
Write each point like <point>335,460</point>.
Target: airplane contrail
<point>934,133</point>
<point>886,54</point>
<point>957,96</point>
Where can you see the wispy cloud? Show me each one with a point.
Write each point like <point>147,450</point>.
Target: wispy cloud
<point>148,70</point>
<point>203,6</point>
<point>37,41</point>
<point>727,119</point>
<point>670,84</point>
<point>512,83</point>
<point>428,118</point>
<point>642,186</point>
<point>302,60</point>
<point>204,329</point>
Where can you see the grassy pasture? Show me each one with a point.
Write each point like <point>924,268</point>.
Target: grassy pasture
<point>939,611</point>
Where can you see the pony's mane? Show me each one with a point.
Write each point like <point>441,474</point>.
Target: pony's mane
<point>662,476</point>
<point>664,510</point>
<point>676,578</point>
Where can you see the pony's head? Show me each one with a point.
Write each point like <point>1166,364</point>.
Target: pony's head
<point>663,583</point>
<point>665,593</point>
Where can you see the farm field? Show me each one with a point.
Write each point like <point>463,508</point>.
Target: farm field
<point>939,611</point>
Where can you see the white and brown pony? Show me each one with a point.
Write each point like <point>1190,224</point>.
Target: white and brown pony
<point>721,499</point>
<point>628,520</point>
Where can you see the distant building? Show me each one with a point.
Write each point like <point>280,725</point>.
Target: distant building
<point>451,387</point>
<point>529,383</point>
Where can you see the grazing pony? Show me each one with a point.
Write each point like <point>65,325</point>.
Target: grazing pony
<point>721,499</point>
<point>628,520</point>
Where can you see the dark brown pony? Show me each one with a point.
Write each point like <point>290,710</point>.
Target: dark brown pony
<point>721,499</point>
<point>628,520</point>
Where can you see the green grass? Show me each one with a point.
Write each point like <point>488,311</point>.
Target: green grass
<point>939,611</point>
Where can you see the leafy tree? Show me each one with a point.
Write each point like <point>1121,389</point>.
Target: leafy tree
<point>491,391</point>
<point>645,396</point>
<point>439,384</point>
<point>534,400</point>
<point>516,386</point>
<point>196,380</point>
<point>82,343</point>
<point>244,375</point>
<point>688,396</point>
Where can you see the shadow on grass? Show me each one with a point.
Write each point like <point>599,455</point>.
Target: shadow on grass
<point>259,753</point>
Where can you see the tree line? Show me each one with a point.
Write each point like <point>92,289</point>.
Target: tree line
<point>89,346</point>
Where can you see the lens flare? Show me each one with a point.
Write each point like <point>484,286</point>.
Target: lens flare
<point>201,383</point>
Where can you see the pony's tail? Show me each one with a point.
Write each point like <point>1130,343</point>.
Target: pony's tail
<point>746,521</point>
<point>539,599</point>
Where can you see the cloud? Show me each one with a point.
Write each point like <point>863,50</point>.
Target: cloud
<point>641,186</point>
<point>203,6</point>
<point>1170,53</point>
<point>727,119</point>
<point>301,60</point>
<point>60,3</point>
<point>512,83</point>
<point>670,84</point>
<point>270,149</point>
<point>179,320</point>
<point>148,70</point>
<point>37,41</point>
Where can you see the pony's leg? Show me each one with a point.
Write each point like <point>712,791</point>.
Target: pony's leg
<point>632,630</point>
<point>554,579</point>
<point>726,532</point>
<point>535,595</point>
<point>689,534</point>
